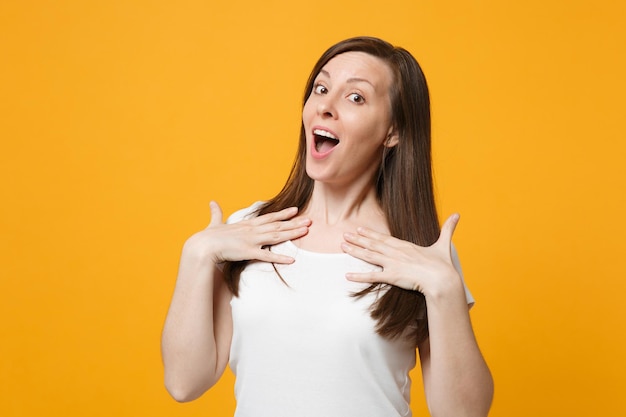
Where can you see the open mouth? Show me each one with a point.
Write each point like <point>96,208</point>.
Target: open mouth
<point>324,141</point>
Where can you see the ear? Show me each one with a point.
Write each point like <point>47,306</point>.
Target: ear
<point>392,138</point>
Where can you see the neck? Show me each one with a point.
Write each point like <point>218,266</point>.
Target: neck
<point>333,205</point>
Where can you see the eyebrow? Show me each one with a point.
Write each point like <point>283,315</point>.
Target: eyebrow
<point>349,80</point>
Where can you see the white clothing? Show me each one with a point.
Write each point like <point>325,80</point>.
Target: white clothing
<point>309,348</point>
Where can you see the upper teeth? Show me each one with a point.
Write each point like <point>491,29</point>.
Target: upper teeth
<point>324,133</point>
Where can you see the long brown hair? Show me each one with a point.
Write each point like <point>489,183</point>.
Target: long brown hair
<point>404,184</point>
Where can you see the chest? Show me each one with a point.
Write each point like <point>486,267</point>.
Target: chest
<point>310,296</point>
<point>308,330</point>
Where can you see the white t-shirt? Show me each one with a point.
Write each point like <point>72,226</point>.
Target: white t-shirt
<point>309,348</point>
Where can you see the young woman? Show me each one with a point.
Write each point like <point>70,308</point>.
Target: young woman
<point>319,297</point>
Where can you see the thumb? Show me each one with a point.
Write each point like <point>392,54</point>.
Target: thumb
<point>216,214</point>
<point>447,230</point>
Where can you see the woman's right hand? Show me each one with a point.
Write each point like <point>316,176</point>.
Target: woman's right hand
<point>246,240</point>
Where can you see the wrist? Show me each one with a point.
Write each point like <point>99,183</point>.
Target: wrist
<point>199,250</point>
<point>446,291</point>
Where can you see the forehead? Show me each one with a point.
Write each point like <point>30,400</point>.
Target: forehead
<point>358,66</point>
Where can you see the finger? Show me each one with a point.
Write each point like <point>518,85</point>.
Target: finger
<point>283,225</point>
<point>367,277</point>
<point>363,254</point>
<point>283,214</point>
<point>447,230</point>
<point>273,238</point>
<point>357,240</point>
<point>379,241</point>
<point>267,255</point>
<point>216,214</point>
<point>365,239</point>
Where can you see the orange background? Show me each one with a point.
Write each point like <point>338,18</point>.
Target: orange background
<point>120,120</point>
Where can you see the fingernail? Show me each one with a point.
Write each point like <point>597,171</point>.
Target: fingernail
<point>285,260</point>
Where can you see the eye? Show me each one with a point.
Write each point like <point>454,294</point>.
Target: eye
<point>356,98</point>
<point>319,89</point>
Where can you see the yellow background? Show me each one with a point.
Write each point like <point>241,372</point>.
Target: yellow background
<point>120,120</point>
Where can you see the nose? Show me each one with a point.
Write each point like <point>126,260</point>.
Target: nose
<point>326,108</point>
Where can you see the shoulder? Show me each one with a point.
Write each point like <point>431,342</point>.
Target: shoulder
<point>245,213</point>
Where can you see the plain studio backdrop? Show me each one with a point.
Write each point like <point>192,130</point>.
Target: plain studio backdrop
<point>121,120</point>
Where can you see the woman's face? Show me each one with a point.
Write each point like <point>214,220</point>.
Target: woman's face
<point>347,119</point>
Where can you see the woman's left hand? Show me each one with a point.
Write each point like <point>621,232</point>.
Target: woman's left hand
<point>406,265</point>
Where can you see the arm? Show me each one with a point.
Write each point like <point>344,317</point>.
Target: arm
<point>198,329</point>
<point>457,381</point>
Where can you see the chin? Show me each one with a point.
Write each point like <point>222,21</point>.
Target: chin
<point>315,175</point>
